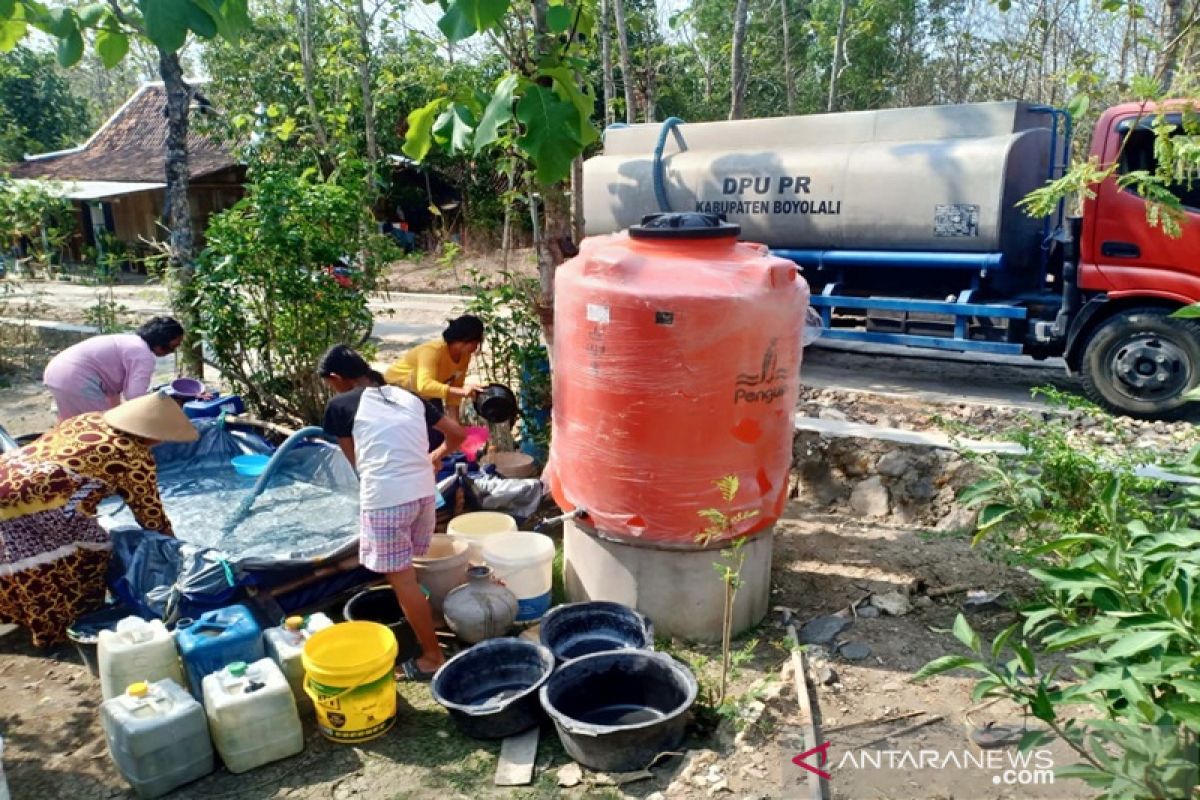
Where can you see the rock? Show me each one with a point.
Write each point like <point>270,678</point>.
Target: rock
<point>570,775</point>
<point>924,602</point>
<point>817,652</point>
<point>694,761</point>
<point>827,676</point>
<point>833,414</point>
<point>919,488</point>
<point>854,651</point>
<point>870,498</point>
<point>893,464</point>
<point>656,796</point>
<point>960,520</point>
<point>823,629</point>
<point>979,600</point>
<point>718,787</point>
<point>867,612</point>
<point>892,603</point>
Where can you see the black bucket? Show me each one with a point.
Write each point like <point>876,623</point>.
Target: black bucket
<point>491,690</point>
<point>617,711</point>
<point>379,604</point>
<point>84,633</point>
<point>496,403</point>
<point>579,629</point>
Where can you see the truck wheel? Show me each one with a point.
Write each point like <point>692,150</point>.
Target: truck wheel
<point>1141,362</point>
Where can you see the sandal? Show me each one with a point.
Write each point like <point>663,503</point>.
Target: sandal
<point>409,671</point>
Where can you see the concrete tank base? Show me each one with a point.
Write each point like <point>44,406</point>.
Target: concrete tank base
<point>679,590</point>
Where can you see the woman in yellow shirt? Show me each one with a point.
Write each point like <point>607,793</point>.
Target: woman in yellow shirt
<point>437,371</point>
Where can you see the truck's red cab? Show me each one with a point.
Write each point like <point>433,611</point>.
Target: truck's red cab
<point>1121,255</point>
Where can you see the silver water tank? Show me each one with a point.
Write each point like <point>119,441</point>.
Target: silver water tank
<point>938,178</point>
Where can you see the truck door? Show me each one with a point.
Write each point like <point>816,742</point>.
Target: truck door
<point>1133,257</point>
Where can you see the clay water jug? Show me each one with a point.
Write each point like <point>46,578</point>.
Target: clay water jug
<point>481,608</point>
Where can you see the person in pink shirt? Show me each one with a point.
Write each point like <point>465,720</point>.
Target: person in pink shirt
<point>96,373</point>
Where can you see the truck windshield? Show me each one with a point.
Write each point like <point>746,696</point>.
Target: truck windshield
<point>1139,155</point>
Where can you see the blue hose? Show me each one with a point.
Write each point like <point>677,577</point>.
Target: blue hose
<point>271,468</point>
<point>660,188</point>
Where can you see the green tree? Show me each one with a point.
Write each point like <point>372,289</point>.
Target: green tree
<point>267,306</point>
<point>38,110</point>
<point>540,110</point>
<point>166,25</point>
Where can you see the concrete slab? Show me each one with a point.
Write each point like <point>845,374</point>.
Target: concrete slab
<point>677,589</point>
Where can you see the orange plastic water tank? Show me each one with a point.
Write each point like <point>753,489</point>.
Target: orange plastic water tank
<point>676,363</point>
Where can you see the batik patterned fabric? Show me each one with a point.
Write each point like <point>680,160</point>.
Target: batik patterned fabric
<point>390,537</point>
<point>53,553</point>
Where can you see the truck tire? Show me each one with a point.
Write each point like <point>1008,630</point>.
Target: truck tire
<point>1141,363</point>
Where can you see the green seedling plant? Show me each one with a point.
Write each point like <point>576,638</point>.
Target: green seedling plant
<point>721,525</point>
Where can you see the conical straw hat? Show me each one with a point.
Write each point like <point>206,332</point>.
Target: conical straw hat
<point>153,416</point>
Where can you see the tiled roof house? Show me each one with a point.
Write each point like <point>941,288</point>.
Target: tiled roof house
<point>117,177</point>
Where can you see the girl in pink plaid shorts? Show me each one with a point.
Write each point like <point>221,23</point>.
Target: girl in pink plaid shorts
<point>383,430</point>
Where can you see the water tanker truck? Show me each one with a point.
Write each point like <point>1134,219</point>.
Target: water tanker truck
<point>905,224</point>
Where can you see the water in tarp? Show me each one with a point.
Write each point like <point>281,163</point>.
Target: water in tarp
<point>293,519</point>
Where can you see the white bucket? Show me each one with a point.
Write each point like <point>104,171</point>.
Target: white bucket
<point>525,562</point>
<point>476,526</point>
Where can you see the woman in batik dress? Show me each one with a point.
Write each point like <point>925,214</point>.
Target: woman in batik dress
<point>53,552</point>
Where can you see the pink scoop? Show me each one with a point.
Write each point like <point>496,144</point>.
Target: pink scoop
<point>477,439</point>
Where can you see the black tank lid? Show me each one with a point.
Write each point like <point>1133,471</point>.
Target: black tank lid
<point>684,225</point>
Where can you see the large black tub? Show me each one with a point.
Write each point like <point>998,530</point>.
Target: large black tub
<point>616,711</point>
<point>379,604</point>
<point>579,629</point>
<point>491,690</point>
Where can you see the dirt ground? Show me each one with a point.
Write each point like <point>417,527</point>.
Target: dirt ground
<point>823,563</point>
<point>54,746</point>
<point>427,274</point>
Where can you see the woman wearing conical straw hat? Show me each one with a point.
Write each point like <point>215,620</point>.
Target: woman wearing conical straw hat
<point>53,552</point>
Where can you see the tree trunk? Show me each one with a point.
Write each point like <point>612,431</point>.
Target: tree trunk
<point>838,46</point>
<point>610,86</point>
<point>577,199</point>
<point>1169,34</point>
<point>626,61</point>
<point>649,84</point>
<point>789,80</point>
<point>306,61</point>
<point>363,23</point>
<point>179,211</point>
<point>554,246</point>
<point>554,243</point>
<point>737,66</point>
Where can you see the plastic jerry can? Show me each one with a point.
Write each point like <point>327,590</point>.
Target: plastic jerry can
<point>252,715</point>
<point>4,795</point>
<point>138,650</point>
<point>157,736</point>
<point>285,646</point>
<point>219,637</point>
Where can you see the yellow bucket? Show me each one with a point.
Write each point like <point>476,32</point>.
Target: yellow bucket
<point>348,675</point>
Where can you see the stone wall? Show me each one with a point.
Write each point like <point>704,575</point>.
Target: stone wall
<point>904,483</point>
